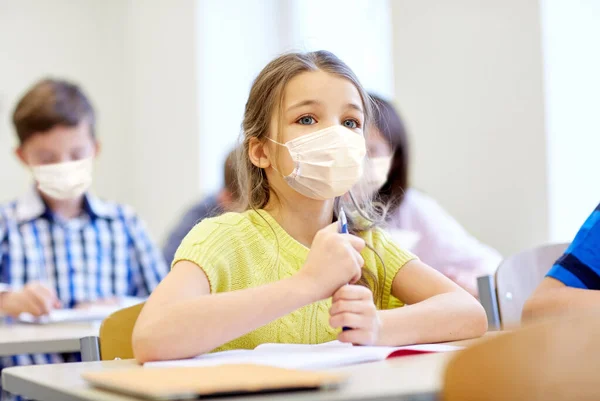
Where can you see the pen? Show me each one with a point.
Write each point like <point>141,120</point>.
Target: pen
<point>343,230</point>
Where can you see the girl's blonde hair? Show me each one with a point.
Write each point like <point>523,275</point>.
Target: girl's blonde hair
<point>266,97</point>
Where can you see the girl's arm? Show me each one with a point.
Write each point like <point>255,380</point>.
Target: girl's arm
<point>183,319</point>
<point>436,309</point>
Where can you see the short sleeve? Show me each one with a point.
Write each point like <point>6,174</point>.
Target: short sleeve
<point>393,258</point>
<point>579,267</point>
<point>197,247</point>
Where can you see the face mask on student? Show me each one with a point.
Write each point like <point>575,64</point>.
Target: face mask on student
<point>62,181</point>
<point>378,169</point>
<point>328,163</point>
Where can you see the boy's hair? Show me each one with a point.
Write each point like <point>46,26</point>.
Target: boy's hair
<point>49,103</point>
<point>266,98</point>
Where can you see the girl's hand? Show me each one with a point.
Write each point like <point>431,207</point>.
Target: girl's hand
<point>333,261</point>
<point>353,307</point>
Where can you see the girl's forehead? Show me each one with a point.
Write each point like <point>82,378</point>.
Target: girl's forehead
<point>320,87</point>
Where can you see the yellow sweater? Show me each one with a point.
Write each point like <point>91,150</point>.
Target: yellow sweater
<point>250,249</point>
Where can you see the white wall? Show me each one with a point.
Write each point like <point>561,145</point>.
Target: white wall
<point>571,38</point>
<point>163,102</point>
<point>236,39</point>
<point>468,78</point>
<point>357,31</point>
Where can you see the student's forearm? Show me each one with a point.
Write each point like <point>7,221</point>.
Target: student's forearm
<point>192,327</point>
<point>557,301</point>
<point>445,317</point>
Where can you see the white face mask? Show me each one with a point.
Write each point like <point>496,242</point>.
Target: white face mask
<point>64,180</point>
<point>328,163</point>
<point>378,169</point>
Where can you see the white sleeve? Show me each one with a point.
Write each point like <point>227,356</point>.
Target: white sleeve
<point>444,244</point>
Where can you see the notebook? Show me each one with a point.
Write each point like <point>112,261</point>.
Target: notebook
<point>299,356</point>
<point>185,383</point>
<point>94,313</point>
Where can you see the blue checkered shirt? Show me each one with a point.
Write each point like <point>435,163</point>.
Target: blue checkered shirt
<point>103,253</point>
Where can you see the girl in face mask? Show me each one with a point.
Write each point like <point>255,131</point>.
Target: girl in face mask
<point>279,270</point>
<point>414,219</point>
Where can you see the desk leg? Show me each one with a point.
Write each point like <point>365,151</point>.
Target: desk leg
<point>90,348</point>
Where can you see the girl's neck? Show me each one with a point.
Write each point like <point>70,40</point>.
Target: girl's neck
<point>301,219</point>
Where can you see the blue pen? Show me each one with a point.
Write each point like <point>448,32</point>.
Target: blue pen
<point>343,230</point>
<point>343,222</point>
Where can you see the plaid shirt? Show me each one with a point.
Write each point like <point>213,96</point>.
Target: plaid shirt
<point>103,253</point>
<point>579,267</point>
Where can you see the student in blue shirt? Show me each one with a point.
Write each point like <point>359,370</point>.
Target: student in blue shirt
<point>573,283</point>
<point>60,246</point>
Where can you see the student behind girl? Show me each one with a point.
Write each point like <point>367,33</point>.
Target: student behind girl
<point>212,206</point>
<point>441,241</point>
<point>278,272</point>
<point>61,246</point>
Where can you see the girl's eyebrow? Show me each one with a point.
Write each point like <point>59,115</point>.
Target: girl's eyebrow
<point>308,102</point>
<point>355,107</point>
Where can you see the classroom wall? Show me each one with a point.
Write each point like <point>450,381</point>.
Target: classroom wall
<point>571,33</point>
<point>162,73</point>
<point>469,79</point>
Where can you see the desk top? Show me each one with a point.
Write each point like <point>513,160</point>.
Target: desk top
<point>19,338</point>
<point>382,380</point>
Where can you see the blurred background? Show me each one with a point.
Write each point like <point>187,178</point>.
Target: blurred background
<point>501,97</point>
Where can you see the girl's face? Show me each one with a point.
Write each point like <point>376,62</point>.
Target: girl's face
<point>377,145</point>
<point>312,101</point>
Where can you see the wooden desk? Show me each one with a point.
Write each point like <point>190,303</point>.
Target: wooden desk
<point>388,380</point>
<point>21,338</point>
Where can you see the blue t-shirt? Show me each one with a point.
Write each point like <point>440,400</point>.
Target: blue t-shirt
<point>579,267</point>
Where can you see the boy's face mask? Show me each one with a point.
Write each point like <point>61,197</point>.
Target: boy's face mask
<point>63,181</point>
<point>327,163</point>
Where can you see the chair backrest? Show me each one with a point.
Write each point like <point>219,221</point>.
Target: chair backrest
<point>116,331</point>
<point>518,276</point>
<point>553,361</point>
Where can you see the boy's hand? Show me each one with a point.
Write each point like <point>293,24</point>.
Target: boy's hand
<point>353,307</point>
<point>35,298</point>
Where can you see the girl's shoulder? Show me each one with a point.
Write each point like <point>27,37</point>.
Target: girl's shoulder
<point>226,226</point>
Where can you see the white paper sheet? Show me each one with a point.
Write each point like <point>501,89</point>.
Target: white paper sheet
<point>94,313</point>
<point>298,356</point>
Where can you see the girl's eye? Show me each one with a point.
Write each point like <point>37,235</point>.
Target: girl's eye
<point>306,120</point>
<point>351,124</point>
